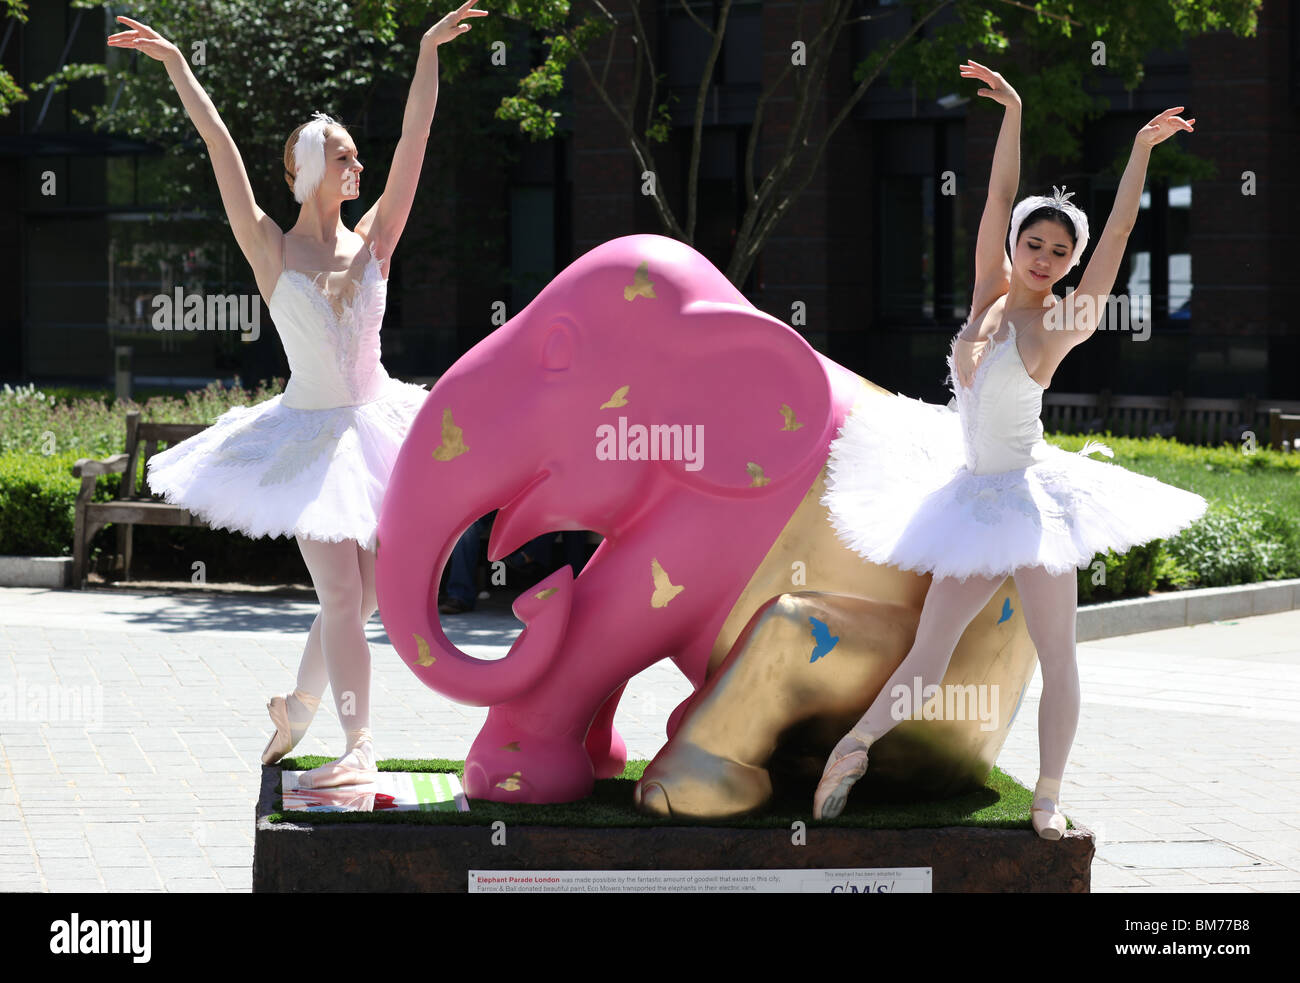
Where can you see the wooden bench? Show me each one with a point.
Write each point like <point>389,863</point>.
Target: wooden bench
<point>1283,426</point>
<point>1192,421</point>
<point>132,506</point>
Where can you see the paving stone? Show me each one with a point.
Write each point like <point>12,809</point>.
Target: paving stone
<point>1182,737</point>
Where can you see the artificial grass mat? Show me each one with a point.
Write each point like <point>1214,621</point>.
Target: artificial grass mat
<point>1003,803</point>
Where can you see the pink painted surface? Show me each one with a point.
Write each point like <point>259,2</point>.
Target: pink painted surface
<point>516,424</point>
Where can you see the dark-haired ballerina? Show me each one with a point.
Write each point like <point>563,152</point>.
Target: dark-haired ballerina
<point>974,496</point>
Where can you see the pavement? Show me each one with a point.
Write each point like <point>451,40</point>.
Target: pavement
<point>132,721</point>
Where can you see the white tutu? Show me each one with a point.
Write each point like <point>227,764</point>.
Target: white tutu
<point>272,470</point>
<point>900,493</point>
<point>317,466</point>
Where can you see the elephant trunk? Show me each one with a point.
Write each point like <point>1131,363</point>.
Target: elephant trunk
<point>436,491</point>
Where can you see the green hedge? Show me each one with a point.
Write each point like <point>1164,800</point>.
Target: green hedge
<point>38,497</point>
<point>43,433</point>
<point>1251,531</point>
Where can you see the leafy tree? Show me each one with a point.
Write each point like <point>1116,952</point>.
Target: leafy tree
<point>1050,41</point>
<point>321,54</point>
<point>267,65</point>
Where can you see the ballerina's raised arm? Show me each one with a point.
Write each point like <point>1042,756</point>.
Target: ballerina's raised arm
<point>382,225</point>
<point>992,268</point>
<point>258,235</point>
<point>256,232</point>
<point>1088,300</point>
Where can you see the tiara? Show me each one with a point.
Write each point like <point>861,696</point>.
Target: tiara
<point>1060,198</point>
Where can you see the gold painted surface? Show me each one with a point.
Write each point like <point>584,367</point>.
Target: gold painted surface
<point>790,422</point>
<point>423,658</point>
<point>511,784</point>
<point>641,285</point>
<point>664,590</point>
<point>512,746</point>
<point>542,595</point>
<point>617,400</point>
<point>453,439</point>
<point>757,478</point>
<point>764,682</point>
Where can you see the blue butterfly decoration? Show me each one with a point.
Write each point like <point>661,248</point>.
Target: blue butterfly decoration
<point>823,637</point>
<point>1007,610</point>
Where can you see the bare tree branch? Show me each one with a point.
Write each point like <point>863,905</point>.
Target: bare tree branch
<point>703,26</point>
<point>613,36</point>
<point>753,234</point>
<point>644,157</point>
<point>701,99</point>
<point>654,76</point>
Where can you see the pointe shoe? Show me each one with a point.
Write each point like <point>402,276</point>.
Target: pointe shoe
<point>285,739</point>
<point>840,775</point>
<point>356,767</point>
<point>1047,823</point>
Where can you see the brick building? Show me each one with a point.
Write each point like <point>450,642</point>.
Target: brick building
<point>878,254</point>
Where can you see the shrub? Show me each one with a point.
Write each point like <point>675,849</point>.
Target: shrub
<point>1130,574</point>
<point>1237,542</point>
<point>38,497</point>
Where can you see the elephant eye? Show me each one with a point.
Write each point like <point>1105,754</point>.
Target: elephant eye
<point>557,349</point>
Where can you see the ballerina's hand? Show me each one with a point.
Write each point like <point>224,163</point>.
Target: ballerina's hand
<point>1163,127</point>
<point>999,89</point>
<point>966,357</point>
<point>146,39</point>
<point>450,26</point>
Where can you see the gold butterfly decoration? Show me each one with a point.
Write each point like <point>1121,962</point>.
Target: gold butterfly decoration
<point>453,439</point>
<point>512,746</point>
<point>641,286</point>
<point>423,658</point>
<point>665,590</point>
<point>511,784</point>
<point>757,478</point>
<point>618,399</point>
<point>542,595</point>
<point>790,422</point>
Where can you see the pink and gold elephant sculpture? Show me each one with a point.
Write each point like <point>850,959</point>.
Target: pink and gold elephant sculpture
<point>642,396</point>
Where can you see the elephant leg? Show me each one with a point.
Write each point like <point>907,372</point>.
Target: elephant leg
<point>784,669</point>
<point>518,756</point>
<point>553,743</point>
<point>604,745</point>
<point>675,718</point>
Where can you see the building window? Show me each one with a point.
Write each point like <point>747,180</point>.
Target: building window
<point>1160,260</point>
<point>925,265</point>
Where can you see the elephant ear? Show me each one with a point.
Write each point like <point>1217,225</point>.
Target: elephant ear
<point>756,393</point>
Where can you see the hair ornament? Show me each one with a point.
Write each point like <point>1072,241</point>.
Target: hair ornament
<point>309,156</point>
<point>1060,199</point>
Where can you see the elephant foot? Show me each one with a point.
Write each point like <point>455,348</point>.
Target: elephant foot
<point>687,782</point>
<point>607,751</point>
<point>513,767</point>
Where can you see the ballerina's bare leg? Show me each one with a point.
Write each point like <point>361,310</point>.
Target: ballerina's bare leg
<point>949,606</point>
<point>344,580</point>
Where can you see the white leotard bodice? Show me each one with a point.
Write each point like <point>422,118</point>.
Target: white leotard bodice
<point>334,358</point>
<point>1001,410</point>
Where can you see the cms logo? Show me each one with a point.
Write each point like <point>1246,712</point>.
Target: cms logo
<point>876,887</point>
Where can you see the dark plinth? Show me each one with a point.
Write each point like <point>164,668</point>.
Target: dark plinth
<point>359,856</point>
